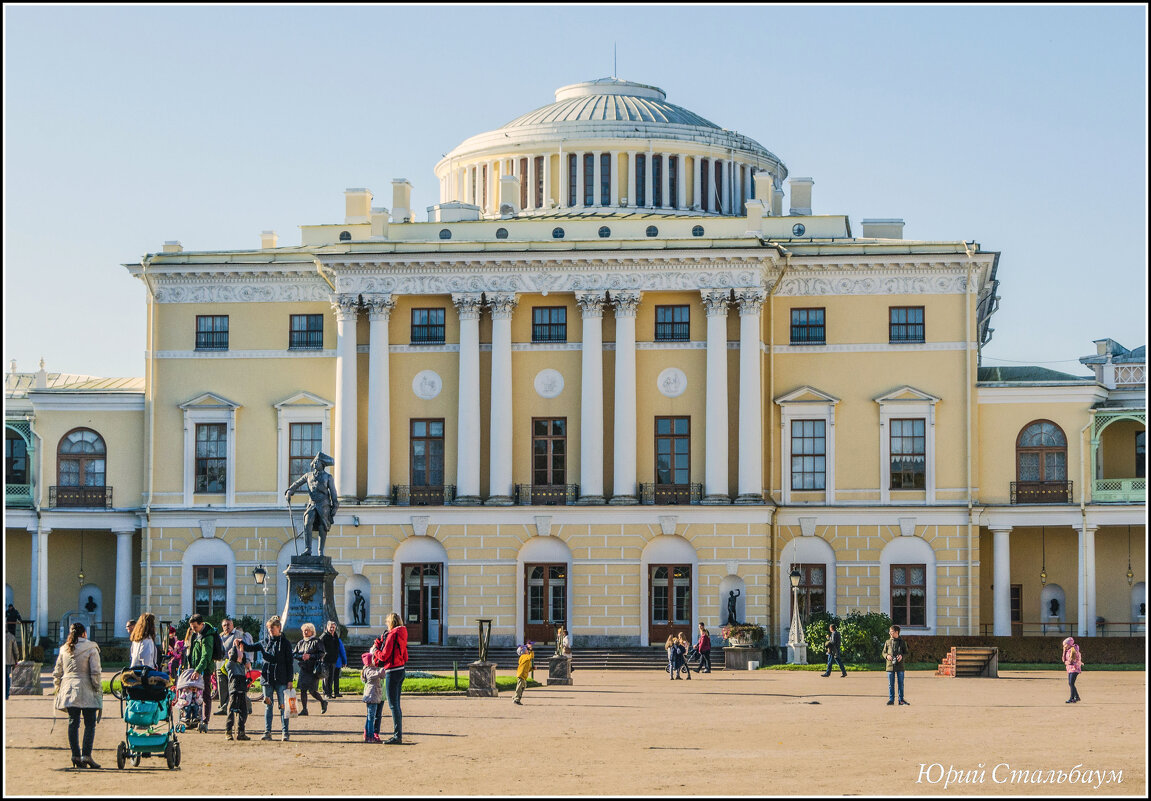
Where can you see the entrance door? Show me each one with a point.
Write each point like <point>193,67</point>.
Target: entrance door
<point>669,607</point>
<point>422,603</point>
<point>545,601</point>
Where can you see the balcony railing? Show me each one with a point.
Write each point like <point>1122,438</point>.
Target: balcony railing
<point>549,332</point>
<point>1057,628</point>
<point>85,497</point>
<point>547,495</point>
<point>672,332</point>
<point>18,496</point>
<point>428,334</point>
<point>1119,490</point>
<point>670,494</point>
<point>438,495</point>
<point>1041,492</point>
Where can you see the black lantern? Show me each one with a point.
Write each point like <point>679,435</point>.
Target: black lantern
<point>795,577</point>
<point>259,574</point>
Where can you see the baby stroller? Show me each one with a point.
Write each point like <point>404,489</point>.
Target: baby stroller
<point>190,702</point>
<point>146,705</point>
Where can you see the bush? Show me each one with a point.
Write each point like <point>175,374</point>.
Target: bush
<point>864,635</point>
<point>817,632</point>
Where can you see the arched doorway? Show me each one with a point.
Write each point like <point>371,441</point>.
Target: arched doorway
<point>543,582</point>
<point>420,581</point>
<point>667,589</point>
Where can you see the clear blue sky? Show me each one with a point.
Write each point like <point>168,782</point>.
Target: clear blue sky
<point>1024,128</point>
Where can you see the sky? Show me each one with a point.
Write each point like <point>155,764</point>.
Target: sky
<point>1023,128</point>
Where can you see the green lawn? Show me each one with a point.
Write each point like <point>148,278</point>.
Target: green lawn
<point>424,683</point>
<point>932,666</point>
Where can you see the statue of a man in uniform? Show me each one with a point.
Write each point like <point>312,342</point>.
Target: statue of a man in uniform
<point>322,503</point>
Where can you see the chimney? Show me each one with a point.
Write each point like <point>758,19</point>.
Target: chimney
<point>268,239</point>
<point>357,205</point>
<point>763,189</point>
<point>776,202</point>
<point>173,246</point>
<point>401,200</point>
<point>509,196</point>
<point>883,229</point>
<point>800,196</point>
<point>379,221</point>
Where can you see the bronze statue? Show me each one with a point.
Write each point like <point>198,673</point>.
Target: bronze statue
<point>322,503</point>
<point>731,619</point>
<point>359,609</point>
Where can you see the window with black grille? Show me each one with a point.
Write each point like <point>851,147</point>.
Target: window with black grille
<point>549,324</point>
<point>427,326</point>
<point>211,332</point>
<point>672,323</point>
<point>906,323</point>
<point>306,331</point>
<point>807,327</point>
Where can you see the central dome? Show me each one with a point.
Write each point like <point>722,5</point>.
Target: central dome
<point>611,100</point>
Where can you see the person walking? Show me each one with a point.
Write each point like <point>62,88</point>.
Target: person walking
<point>200,661</point>
<point>76,685</point>
<point>894,651</point>
<point>703,648</point>
<point>332,647</point>
<point>1073,661</point>
<point>526,665</point>
<point>11,657</point>
<point>276,674</point>
<point>143,638</point>
<point>227,639</point>
<point>393,658</point>
<point>833,652</point>
<point>309,652</point>
<point>236,678</point>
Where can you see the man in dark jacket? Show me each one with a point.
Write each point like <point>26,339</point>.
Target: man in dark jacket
<point>331,643</point>
<point>200,660</point>
<point>833,653</point>
<point>276,674</point>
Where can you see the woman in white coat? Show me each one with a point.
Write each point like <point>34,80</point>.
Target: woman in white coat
<point>76,684</point>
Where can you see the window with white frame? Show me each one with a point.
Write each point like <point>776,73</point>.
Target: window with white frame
<point>209,447</point>
<point>304,426</point>
<point>807,417</point>
<point>907,445</point>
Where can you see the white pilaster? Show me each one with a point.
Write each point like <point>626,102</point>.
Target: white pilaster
<point>1002,581</point>
<point>533,181</point>
<point>345,474</point>
<point>680,184</point>
<point>614,178</point>
<point>580,188</point>
<point>696,187</point>
<point>468,418</point>
<point>500,469</point>
<point>664,182</point>
<point>379,402</point>
<point>715,435</point>
<point>750,481</point>
<point>626,304</point>
<point>649,197</point>
<point>563,178</point>
<point>631,178</point>
<point>591,398</point>
<point>123,607</point>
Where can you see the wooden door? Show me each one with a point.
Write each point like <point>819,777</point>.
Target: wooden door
<point>669,602</point>
<point>545,601</point>
<point>422,602</point>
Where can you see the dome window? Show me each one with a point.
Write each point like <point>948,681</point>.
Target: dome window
<point>445,233</point>
<point>557,233</point>
<point>501,233</point>
<point>697,230</point>
<point>604,232</point>
<point>345,236</point>
<point>652,231</point>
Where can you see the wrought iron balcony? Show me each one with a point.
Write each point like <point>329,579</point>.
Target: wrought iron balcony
<point>438,495</point>
<point>547,495</point>
<point>1041,492</point>
<point>1119,490</point>
<point>18,496</point>
<point>670,494</point>
<point>84,497</point>
<point>672,332</point>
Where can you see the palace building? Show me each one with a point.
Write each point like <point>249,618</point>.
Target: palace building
<point>613,378</point>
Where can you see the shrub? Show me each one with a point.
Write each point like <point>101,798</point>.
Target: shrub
<point>864,634</point>
<point>817,632</point>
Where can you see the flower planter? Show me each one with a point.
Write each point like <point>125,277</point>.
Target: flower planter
<point>736,657</point>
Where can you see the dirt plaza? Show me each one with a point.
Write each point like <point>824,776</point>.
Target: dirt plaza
<point>636,733</point>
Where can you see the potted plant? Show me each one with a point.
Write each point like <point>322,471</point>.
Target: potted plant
<point>742,634</point>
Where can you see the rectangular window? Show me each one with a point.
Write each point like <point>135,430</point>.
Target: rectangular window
<point>427,457</point>
<point>717,171</point>
<point>808,454</point>
<point>812,591</point>
<point>704,198</point>
<point>673,181</point>
<point>641,180</point>
<point>657,181</point>
<point>673,450</point>
<point>549,324</point>
<point>572,166</point>
<point>523,183</point>
<point>305,440</point>
<point>306,332</point>
<point>210,589</point>
<point>211,332</point>
<point>549,451</point>
<point>672,323</point>
<point>211,457</point>
<point>539,187</point>
<point>807,327</point>
<point>15,458</point>
<point>605,179</point>
<point>909,595</point>
<point>906,324</point>
<point>908,454</point>
<point>1140,454</point>
<point>589,179</point>
<point>427,326</point>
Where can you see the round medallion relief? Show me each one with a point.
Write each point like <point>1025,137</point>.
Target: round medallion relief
<point>549,383</point>
<point>672,382</point>
<point>427,384</point>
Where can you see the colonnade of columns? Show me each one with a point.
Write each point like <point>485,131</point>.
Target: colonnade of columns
<point>592,305</point>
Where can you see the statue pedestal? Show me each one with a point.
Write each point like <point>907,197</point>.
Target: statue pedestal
<point>560,670</point>
<point>736,657</point>
<point>482,680</point>
<point>797,653</point>
<point>311,593</point>
<point>26,678</point>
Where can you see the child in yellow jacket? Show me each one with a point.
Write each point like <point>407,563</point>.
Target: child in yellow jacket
<point>526,666</point>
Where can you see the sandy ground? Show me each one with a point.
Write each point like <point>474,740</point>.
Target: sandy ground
<point>624,733</point>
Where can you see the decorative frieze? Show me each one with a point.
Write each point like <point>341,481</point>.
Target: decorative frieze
<point>917,283</point>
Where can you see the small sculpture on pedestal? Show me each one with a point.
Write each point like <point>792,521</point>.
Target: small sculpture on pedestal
<point>731,618</point>
<point>359,609</point>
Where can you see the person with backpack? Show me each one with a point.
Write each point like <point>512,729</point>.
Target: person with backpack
<point>205,650</point>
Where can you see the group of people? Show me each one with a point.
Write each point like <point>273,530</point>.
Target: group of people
<point>679,649</point>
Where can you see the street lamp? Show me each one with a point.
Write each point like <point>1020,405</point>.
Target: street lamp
<point>796,646</point>
<point>261,577</point>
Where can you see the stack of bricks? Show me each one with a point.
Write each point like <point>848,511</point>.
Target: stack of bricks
<point>947,666</point>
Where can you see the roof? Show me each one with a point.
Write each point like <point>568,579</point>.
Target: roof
<point>1115,353</point>
<point>1028,373</point>
<point>623,104</point>
<point>18,385</point>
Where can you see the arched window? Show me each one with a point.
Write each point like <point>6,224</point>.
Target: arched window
<point>445,233</point>
<point>345,236</point>
<point>1041,453</point>
<point>80,459</point>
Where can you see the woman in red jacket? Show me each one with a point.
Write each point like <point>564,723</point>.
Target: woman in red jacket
<point>392,656</point>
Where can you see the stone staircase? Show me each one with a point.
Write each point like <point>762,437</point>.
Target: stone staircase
<point>970,662</point>
<point>437,658</point>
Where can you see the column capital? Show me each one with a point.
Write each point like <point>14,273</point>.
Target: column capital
<point>715,302</point>
<point>345,306</point>
<point>468,305</point>
<point>502,306</point>
<point>626,303</point>
<point>39,530</point>
<point>750,301</point>
<point>379,306</point>
<point>590,303</point>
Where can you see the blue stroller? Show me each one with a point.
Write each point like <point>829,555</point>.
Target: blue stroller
<point>146,705</point>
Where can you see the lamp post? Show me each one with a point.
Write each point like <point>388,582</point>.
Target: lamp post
<point>261,577</point>
<point>796,646</point>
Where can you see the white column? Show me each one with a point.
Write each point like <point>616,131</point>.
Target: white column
<point>614,178</point>
<point>750,481</point>
<point>716,434</point>
<point>493,201</point>
<point>631,178</point>
<point>500,468</point>
<point>345,474</point>
<point>379,401</point>
<point>597,177</point>
<point>579,177</point>
<point>563,179</point>
<point>34,575</point>
<point>468,418</point>
<point>1087,611</point>
<point>123,608</point>
<point>591,398</point>
<point>725,191</point>
<point>697,188</point>
<point>533,179</point>
<point>41,560</point>
<point>664,182</point>
<point>680,183</point>
<point>624,449</point>
<point>1001,578</point>
<point>648,198</point>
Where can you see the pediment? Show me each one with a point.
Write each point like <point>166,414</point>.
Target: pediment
<point>907,393</point>
<point>303,400</point>
<point>806,394</point>
<point>209,400</point>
